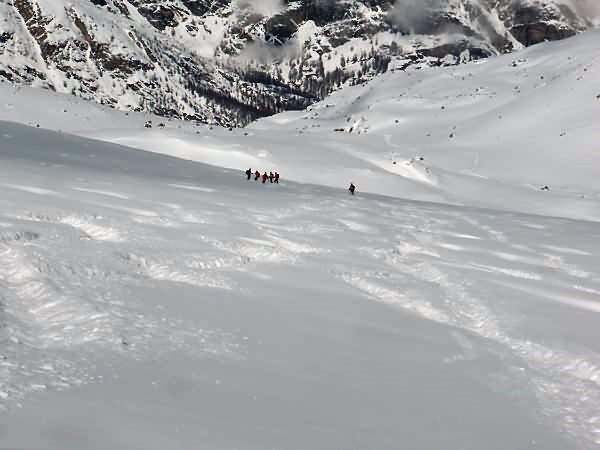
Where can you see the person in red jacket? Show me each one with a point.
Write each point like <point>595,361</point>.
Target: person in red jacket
<point>256,175</point>
<point>264,177</point>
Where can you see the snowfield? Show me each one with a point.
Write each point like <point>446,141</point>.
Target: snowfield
<point>486,134</point>
<point>150,300</point>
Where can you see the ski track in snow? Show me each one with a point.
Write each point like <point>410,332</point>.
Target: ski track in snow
<point>102,192</point>
<point>32,189</point>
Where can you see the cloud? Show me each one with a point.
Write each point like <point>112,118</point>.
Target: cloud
<point>266,8</point>
<point>413,15</point>
<point>588,9</point>
<point>263,53</point>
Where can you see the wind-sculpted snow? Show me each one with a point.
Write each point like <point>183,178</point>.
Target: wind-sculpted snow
<point>194,308</point>
<point>561,378</point>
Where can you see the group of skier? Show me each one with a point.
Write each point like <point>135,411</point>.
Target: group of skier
<point>273,177</point>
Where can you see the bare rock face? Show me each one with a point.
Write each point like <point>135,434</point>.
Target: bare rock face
<point>530,34</point>
<point>229,62</point>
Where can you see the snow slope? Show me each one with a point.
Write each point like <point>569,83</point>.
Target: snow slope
<point>148,301</point>
<point>489,134</point>
<point>161,303</point>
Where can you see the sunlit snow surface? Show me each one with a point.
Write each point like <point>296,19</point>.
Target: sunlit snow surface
<point>154,302</point>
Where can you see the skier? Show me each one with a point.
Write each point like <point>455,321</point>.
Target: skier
<point>249,173</point>
<point>271,176</point>
<point>264,177</point>
<point>256,175</point>
<point>352,188</point>
<point>276,177</point>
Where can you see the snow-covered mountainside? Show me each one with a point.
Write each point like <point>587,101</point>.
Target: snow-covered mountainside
<point>506,126</point>
<point>155,302</point>
<point>229,62</point>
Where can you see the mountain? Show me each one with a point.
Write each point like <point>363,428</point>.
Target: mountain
<point>151,301</point>
<point>229,62</point>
